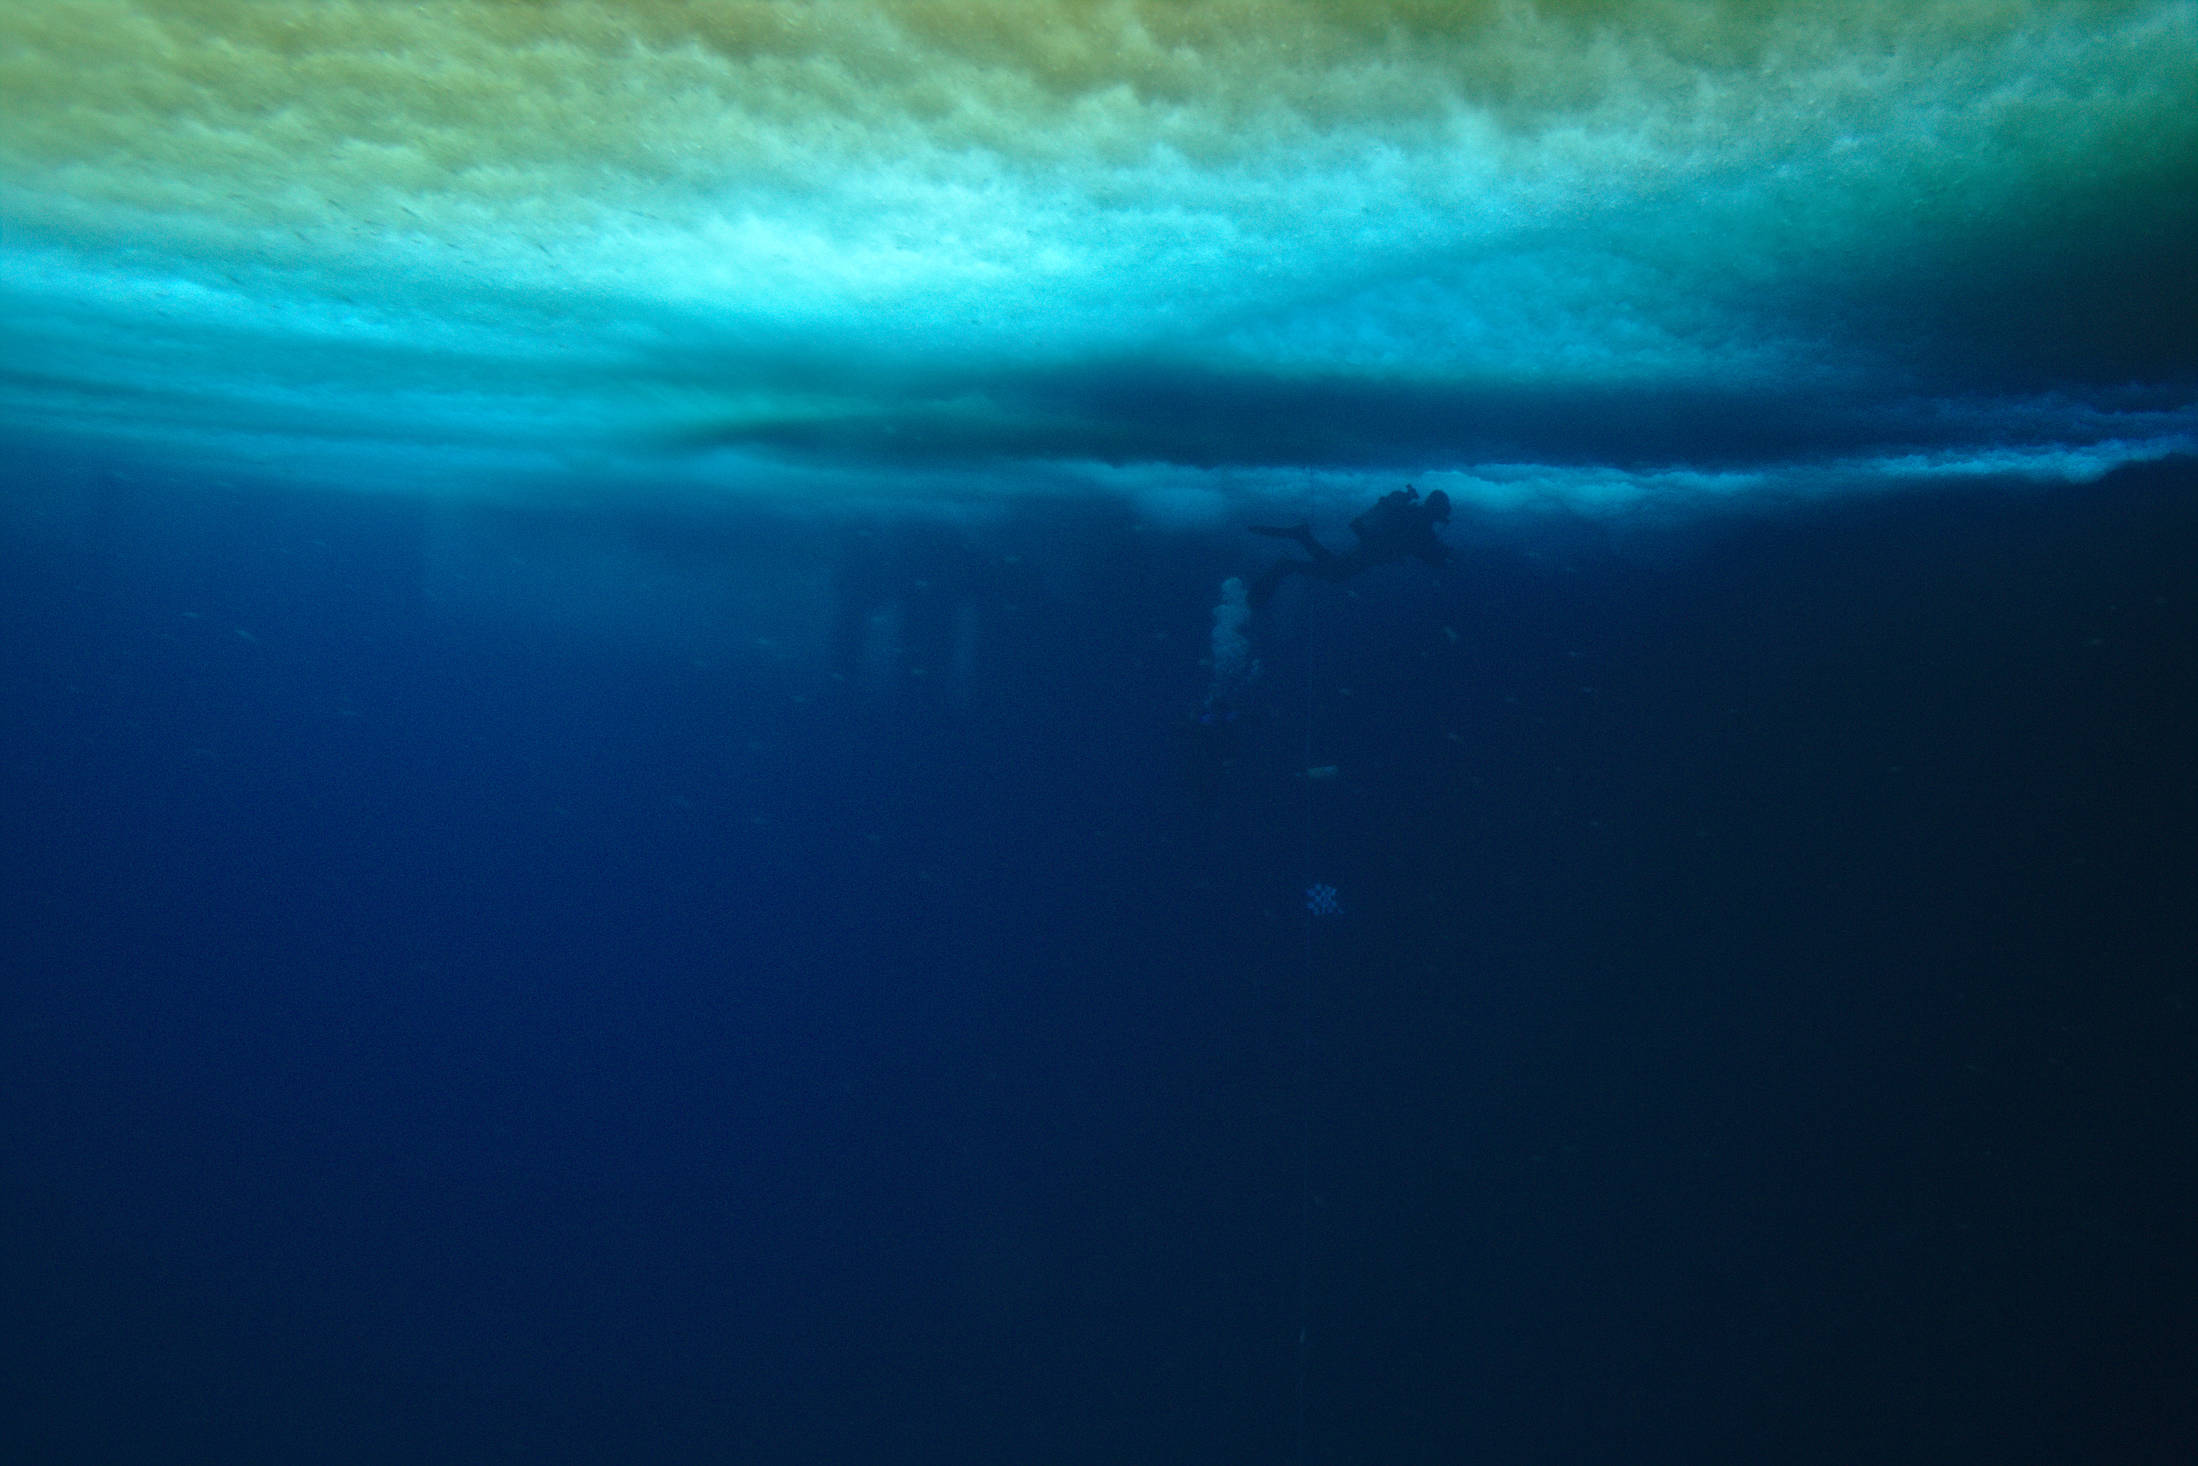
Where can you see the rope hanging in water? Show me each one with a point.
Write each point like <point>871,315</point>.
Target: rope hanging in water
<point>1320,901</point>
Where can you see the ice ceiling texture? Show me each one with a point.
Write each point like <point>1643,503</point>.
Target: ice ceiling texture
<point>1589,251</point>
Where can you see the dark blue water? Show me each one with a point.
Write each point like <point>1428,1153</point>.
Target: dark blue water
<point>667,984</point>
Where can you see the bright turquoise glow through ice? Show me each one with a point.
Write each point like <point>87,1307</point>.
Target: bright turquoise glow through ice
<point>1583,254</point>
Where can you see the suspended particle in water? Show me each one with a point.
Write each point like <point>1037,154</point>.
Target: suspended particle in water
<point>1322,901</point>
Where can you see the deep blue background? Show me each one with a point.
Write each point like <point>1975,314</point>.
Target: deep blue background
<point>658,983</point>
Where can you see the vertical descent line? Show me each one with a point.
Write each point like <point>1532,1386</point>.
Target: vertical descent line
<point>1305,1044</point>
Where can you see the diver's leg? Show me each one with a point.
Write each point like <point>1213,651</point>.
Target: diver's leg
<point>1302,534</point>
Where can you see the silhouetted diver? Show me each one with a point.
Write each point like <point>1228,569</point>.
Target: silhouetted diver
<point>1400,524</point>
